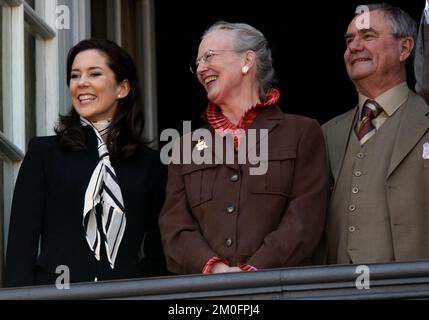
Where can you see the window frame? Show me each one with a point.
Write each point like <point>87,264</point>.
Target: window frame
<point>15,13</point>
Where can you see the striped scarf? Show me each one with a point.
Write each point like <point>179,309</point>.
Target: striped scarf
<point>103,188</point>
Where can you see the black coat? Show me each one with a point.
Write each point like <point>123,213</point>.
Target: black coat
<point>48,204</point>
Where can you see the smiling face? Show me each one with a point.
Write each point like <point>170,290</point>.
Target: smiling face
<point>374,56</point>
<point>220,73</point>
<point>93,87</point>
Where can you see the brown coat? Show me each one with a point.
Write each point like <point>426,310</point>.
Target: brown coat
<point>274,220</point>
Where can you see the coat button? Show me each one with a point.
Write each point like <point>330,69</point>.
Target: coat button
<point>352,207</point>
<point>360,155</point>
<point>234,178</point>
<point>358,173</point>
<point>355,190</point>
<point>230,209</point>
<point>352,229</point>
<point>228,242</point>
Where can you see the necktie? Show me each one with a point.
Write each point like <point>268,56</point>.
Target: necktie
<point>365,130</point>
<point>103,188</point>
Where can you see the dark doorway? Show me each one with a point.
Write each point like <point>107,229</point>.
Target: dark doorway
<point>307,46</point>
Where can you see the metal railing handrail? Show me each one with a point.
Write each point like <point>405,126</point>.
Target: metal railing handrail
<point>386,281</point>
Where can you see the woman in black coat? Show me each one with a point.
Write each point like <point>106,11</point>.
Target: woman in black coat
<point>90,195</point>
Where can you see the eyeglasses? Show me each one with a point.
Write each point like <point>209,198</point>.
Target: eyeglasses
<point>206,57</point>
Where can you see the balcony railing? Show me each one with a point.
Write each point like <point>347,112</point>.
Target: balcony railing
<point>400,280</point>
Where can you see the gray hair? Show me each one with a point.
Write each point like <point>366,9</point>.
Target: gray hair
<point>246,38</point>
<point>403,25</point>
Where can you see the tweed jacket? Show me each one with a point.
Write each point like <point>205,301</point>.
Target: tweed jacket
<point>270,220</point>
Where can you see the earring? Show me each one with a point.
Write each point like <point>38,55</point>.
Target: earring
<point>119,96</point>
<point>245,69</point>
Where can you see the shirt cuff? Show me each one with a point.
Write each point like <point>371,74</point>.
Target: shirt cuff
<point>246,267</point>
<point>209,264</point>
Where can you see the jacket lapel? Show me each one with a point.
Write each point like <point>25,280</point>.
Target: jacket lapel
<point>337,137</point>
<point>414,125</point>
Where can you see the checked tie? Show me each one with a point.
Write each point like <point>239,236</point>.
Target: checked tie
<point>365,130</point>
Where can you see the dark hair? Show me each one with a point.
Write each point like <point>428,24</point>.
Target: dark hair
<point>126,129</point>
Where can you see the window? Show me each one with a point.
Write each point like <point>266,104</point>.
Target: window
<point>30,82</point>
<point>28,43</point>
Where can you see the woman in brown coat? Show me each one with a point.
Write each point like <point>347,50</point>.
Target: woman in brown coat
<point>219,215</point>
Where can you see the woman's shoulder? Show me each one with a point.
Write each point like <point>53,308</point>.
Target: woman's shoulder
<point>149,160</point>
<point>299,124</point>
<point>39,148</point>
<point>44,140</point>
<point>148,152</point>
<point>43,143</point>
<point>289,120</point>
<point>149,155</point>
<point>299,120</point>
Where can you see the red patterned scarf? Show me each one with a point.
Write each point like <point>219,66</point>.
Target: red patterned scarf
<point>223,126</point>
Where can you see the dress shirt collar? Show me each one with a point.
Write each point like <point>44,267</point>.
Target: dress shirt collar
<point>390,100</point>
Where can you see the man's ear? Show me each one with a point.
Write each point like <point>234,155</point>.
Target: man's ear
<point>407,45</point>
